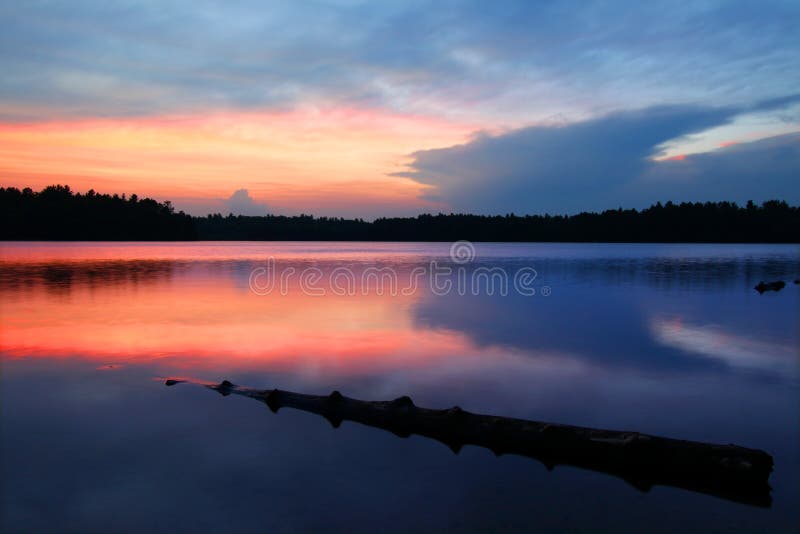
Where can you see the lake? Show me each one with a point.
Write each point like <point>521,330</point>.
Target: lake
<point>670,340</point>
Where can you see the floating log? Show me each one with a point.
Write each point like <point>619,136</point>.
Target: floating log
<point>770,286</point>
<point>726,471</point>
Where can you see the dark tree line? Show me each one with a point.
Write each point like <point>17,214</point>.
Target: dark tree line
<point>57,213</point>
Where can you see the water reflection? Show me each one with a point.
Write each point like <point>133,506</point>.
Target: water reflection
<point>668,340</point>
<point>62,277</point>
<point>733,349</point>
<point>667,310</point>
<point>726,471</point>
<point>624,326</point>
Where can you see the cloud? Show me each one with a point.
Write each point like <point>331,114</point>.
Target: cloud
<point>241,203</point>
<point>607,162</point>
<point>522,61</point>
<point>759,170</point>
<point>686,69</point>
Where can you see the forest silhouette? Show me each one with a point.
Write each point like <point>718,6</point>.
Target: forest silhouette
<point>57,213</point>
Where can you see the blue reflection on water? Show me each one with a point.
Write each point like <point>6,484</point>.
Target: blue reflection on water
<point>664,339</point>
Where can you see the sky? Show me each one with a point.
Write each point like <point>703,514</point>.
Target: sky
<point>391,108</point>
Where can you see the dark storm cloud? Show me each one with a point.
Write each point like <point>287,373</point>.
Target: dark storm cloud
<point>608,162</point>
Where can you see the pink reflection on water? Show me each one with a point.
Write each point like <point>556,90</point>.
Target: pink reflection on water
<point>79,251</point>
<point>191,304</point>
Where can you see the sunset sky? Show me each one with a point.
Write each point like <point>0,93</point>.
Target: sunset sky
<point>365,109</point>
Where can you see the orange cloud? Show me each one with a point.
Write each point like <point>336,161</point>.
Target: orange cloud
<point>321,160</point>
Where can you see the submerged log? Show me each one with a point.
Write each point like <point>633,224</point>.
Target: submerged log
<point>727,471</point>
<point>770,286</point>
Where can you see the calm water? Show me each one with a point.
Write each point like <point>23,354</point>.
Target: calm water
<point>665,339</point>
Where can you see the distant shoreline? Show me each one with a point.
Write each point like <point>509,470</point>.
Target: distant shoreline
<point>58,214</point>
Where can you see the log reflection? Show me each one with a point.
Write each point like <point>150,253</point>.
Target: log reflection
<point>727,471</point>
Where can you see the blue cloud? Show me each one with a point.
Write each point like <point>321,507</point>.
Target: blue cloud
<point>759,170</point>
<point>608,162</point>
<point>685,68</point>
<point>516,60</point>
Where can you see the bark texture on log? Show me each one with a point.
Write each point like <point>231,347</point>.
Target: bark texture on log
<point>728,471</point>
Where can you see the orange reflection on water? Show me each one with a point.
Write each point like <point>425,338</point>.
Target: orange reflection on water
<point>201,314</point>
<point>89,254</point>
